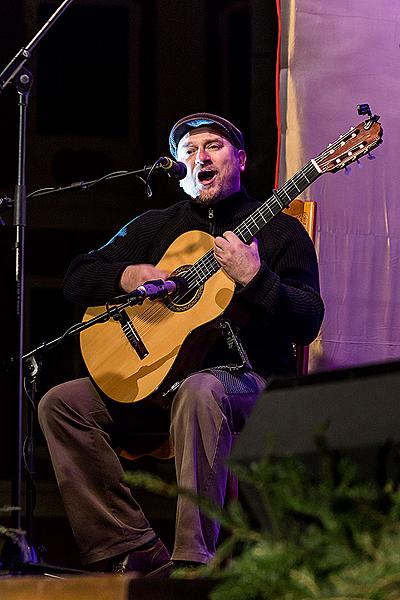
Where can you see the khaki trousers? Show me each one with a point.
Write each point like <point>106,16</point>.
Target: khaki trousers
<point>83,429</point>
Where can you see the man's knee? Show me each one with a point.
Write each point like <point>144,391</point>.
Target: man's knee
<point>70,398</point>
<point>50,404</point>
<point>197,393</point>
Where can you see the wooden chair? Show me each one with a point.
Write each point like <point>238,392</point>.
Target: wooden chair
<point>305,211</point>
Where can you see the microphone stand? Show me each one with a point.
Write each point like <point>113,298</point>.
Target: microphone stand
<point>144,174</point>
<point>16,73</point>
<point>28,365</point>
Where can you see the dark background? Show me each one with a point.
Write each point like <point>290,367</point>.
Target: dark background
<point>110,79</point>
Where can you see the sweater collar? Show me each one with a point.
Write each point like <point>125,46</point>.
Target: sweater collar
<point>232,206</point>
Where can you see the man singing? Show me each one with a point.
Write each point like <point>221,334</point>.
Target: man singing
<point>276,288</point>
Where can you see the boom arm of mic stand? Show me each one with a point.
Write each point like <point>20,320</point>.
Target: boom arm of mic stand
<point>142,174</point>
<point>110,313</point>
<point>7,203</point>
<point>9,73</point>
<point>84,185</point>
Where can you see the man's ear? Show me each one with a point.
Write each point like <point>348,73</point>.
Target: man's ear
<point>242,159</point>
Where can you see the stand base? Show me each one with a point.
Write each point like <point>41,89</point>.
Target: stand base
<point>38,569</point>
<point>18,558</point>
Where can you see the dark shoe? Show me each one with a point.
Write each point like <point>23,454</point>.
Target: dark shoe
<point>163,571</point>
<point>152,561</point>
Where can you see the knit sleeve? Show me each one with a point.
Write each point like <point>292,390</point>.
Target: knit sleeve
<point>93,278</point>
<point>286,288</point>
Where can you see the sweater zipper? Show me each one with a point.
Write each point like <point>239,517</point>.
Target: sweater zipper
<point>211,219</point>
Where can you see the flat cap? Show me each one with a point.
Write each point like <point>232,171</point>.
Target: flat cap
<point>226,128</point>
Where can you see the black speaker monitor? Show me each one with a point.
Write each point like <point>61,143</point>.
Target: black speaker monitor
<point>360,405</point>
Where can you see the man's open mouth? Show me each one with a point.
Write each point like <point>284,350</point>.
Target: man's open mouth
<point>206,176</point>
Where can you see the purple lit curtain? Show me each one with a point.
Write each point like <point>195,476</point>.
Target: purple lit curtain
<point>335,55</point>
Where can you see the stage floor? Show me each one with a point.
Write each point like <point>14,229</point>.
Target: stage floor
<point>101,587</point>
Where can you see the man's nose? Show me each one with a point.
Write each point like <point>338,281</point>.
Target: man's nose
<point>202,156</point>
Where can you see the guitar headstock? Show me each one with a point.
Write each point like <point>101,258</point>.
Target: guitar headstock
<point>351,146</point>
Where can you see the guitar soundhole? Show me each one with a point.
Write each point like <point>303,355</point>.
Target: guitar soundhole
<point>181,303</point>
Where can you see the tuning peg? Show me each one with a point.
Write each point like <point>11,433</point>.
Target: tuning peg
<point>347,170</point>
<point>359,164</point>
<point>370,156</point>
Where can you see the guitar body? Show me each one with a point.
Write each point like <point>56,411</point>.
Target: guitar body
<point>127,373</point>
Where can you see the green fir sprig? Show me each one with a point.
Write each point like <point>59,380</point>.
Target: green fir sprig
<point>326,534</point>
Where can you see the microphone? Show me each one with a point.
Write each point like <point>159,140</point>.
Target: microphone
<point>174,168</point>
<point>156,289</point>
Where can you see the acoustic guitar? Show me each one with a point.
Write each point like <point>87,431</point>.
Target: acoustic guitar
<point>135,355</point>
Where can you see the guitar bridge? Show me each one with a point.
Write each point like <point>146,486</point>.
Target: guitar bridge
<point>131,334</point>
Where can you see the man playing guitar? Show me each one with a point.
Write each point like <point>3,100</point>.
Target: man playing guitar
<point>275,304</point>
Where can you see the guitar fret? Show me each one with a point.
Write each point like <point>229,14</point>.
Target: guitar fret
<point>202,270</point>
<point>267,207</point>
<point>294,190</point>
<point>247,227</point>
<point>254,221</point>
<point>297,188</point>
<point>241,230</point>
<point>309,173</point>
<point>262,219</point>
<point>252,227</point>
<point>270,210</point>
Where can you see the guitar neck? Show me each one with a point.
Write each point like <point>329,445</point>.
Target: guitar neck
<point>279,200</point>
<point>207,265</point>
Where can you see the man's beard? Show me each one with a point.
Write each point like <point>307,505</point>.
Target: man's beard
<point>223,187</point>
<point>206,196</point>
<point>209,196</point>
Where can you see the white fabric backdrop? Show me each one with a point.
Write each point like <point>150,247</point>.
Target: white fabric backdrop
<point>335,55</point>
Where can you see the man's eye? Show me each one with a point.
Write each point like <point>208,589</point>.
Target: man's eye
<point>213,146</point>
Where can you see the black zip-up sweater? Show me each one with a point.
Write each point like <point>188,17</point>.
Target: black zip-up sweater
<point>282,300</point>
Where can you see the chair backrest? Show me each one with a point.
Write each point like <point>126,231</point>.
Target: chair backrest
<point>305,211</point>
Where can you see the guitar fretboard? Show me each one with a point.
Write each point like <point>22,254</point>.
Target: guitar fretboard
<point>207,265</point>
